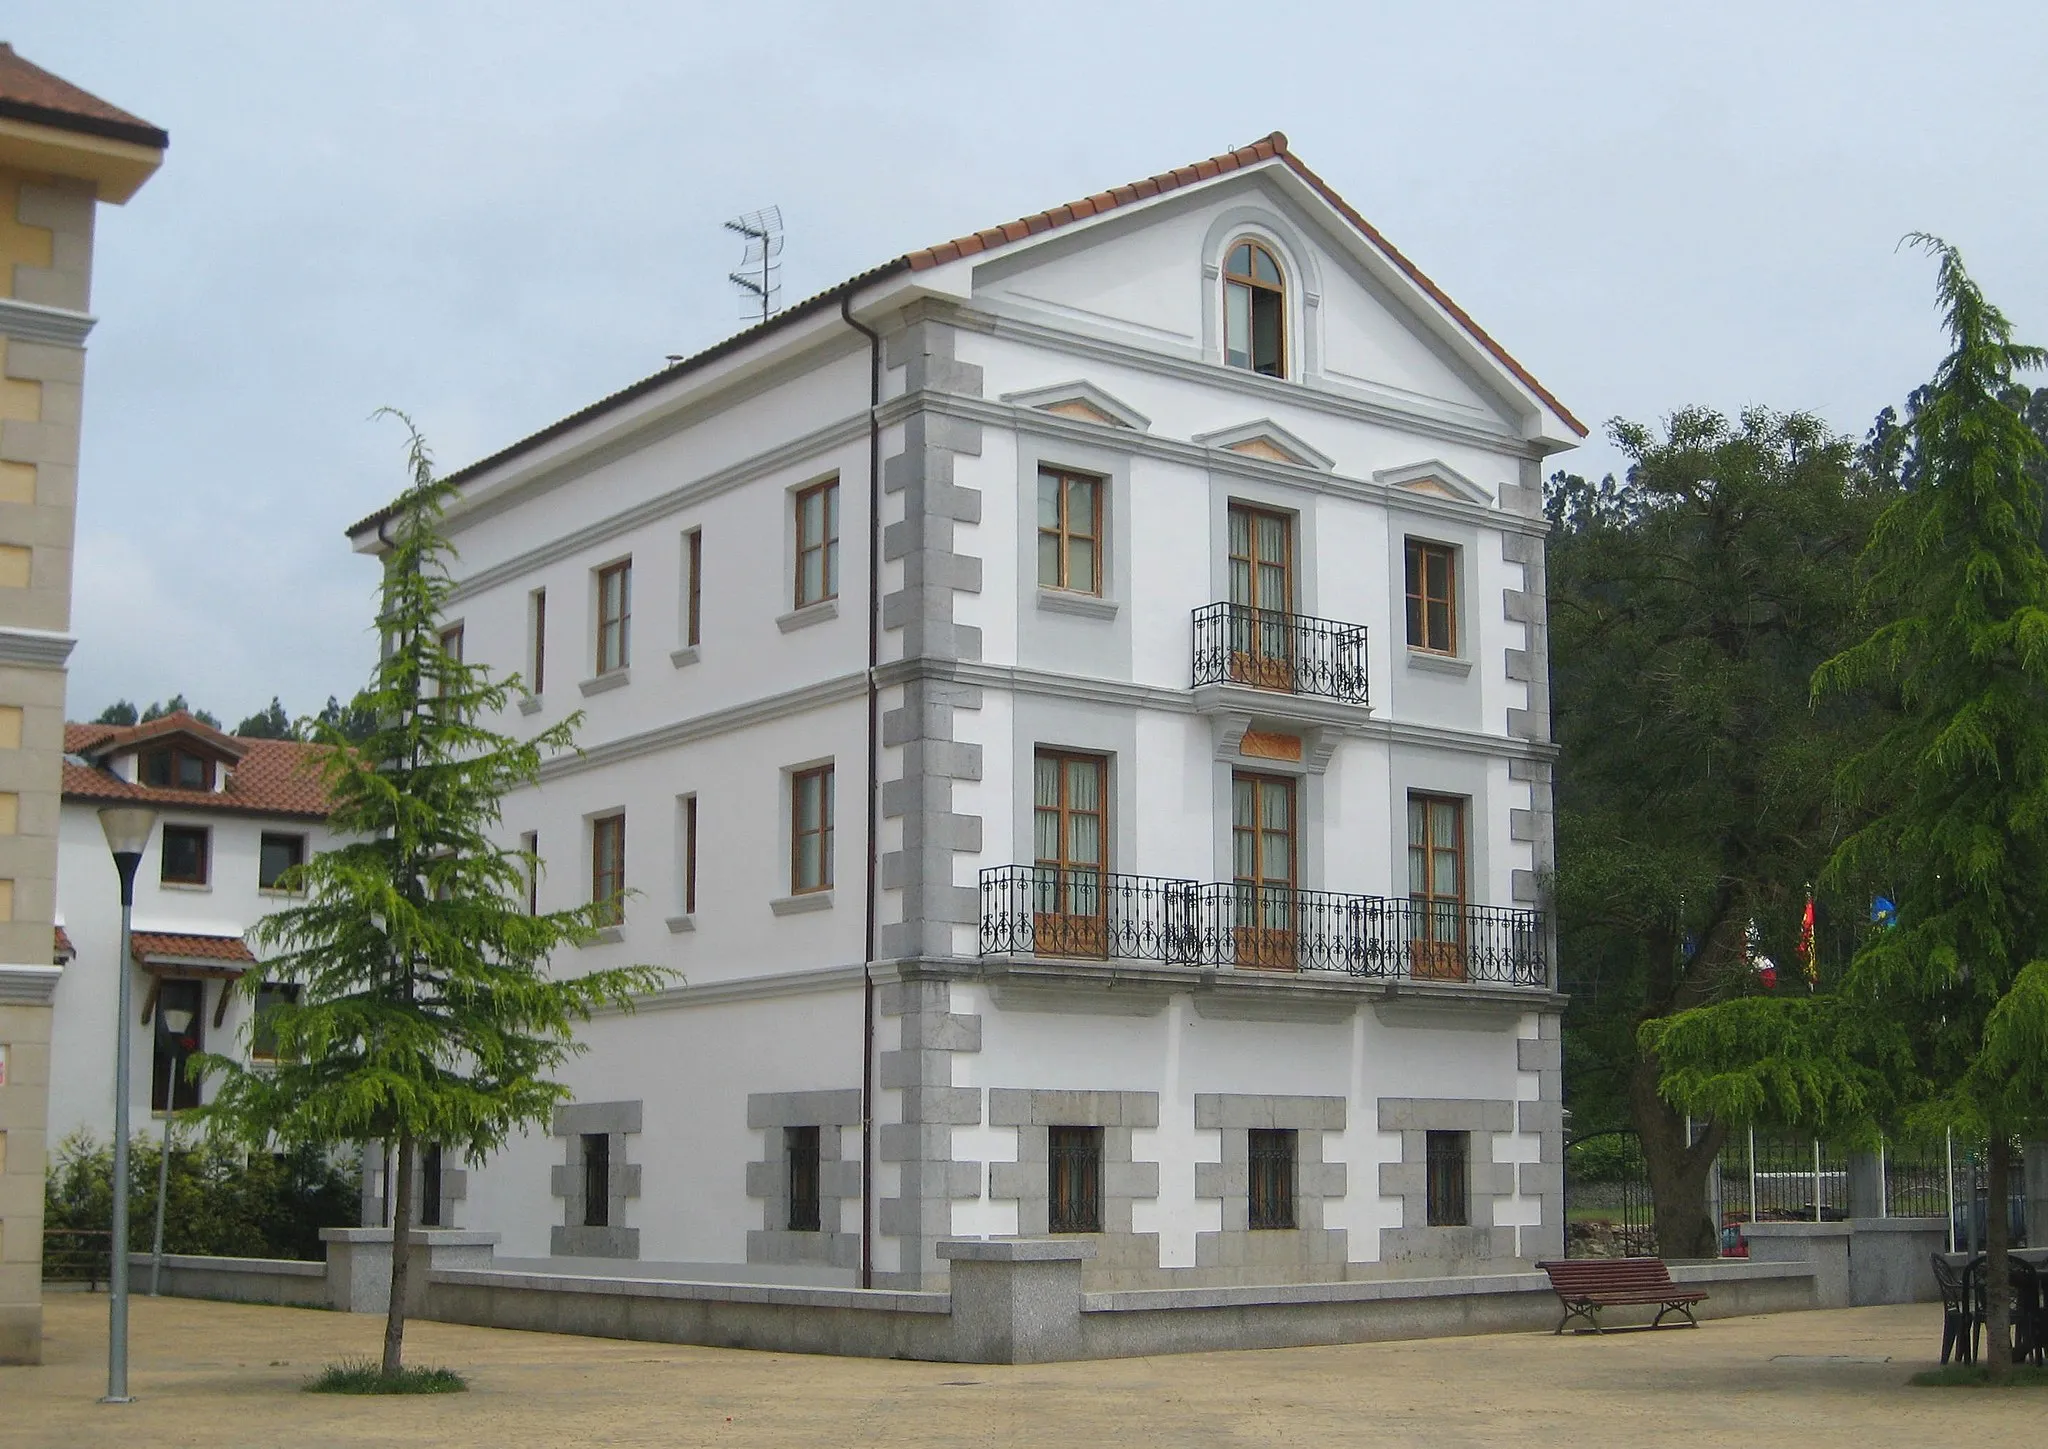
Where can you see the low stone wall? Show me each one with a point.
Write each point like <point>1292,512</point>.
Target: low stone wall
<point>285,1282</point>
<point>1859,1261</point>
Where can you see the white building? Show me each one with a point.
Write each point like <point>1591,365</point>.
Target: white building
<point>1072,704</point>
<point>233,814</point>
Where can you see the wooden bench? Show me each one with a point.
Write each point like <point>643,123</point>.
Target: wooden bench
<point>1587,1285</point>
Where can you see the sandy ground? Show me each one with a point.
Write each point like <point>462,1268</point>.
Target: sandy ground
<point>222,1375</point>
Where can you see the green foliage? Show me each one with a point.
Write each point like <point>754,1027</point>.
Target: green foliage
<point>268,724</point>
<point>427,1012</point>
<point>171,706</point>
<point>1949,1010</point>
<point>220,1201</point>
<point>363,1376</point>
<point>355,721</point>
<point>120,712</point>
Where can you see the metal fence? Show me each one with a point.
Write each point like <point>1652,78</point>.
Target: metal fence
<point>1083,914</point>
<point>1765,1176</point>
<point>77,1255</point>
<point>1272,649</point>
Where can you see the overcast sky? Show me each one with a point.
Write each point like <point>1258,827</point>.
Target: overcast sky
<point>490,215</point>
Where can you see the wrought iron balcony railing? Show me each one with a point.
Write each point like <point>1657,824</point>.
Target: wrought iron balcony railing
<point>1079,914</point>
<point>1287,653</point>
<point>1038,910</point>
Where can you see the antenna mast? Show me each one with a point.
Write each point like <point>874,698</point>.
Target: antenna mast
<point>760,275</point>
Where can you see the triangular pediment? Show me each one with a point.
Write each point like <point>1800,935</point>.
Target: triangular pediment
<point>1267,440</point>
<point>1437,480</point>
<point>1082,401</point>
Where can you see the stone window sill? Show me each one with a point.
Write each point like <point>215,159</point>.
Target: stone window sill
<point>529,704</point>
<point>808,615</point>
<point>800,904</point>
<point>1424,662</point>
<point>1070,601</point>
<point>683,658</point>
<point>677,925</point>
<point>607,936</point>
<point>199,887</point>
<point>615,679</point>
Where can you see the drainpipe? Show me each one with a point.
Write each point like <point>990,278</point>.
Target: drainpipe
<point>870,905</point>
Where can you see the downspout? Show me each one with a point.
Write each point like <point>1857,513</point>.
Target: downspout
<point>870,905</point>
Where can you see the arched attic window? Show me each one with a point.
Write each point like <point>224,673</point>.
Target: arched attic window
<point>1254,311</point>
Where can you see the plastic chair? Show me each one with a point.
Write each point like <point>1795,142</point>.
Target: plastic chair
<point>1958,1327</point>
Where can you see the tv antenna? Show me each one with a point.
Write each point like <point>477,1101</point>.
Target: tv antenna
<point>760,275</point>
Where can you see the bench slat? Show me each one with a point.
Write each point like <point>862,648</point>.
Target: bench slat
<point>1586,1284</point>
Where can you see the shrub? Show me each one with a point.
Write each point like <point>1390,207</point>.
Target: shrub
<point>362,1376</point>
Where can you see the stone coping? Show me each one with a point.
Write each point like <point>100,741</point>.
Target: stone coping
<point>872,1300</point>
<point>1370,1290</point>
<point>284,1267</point>
<point>1017,1250</point>
<point>421,1237</point>
<point>1842,1227</point>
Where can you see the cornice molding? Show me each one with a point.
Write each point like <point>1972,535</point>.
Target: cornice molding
<point>28,985</point>
<point>836,690</point>
<point>37,648</point>
<point>33,322</point>
<point>752,988</point>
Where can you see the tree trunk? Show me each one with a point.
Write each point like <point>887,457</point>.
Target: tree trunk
<point>1997,1290</point>
<point>401,1256</point>
<point>1678,1169</point>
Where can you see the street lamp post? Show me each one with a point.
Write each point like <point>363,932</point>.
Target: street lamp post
<point>128,830</point>
<point>176,1024</point>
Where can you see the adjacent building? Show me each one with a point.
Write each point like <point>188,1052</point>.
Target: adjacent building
<point>233,815</point>
<point>63,153</point>
<point>1071,703</point>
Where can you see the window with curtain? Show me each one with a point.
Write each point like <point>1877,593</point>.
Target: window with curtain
<point>614,616</point>
<point>1432,597</point>
<point>1261,597</point>
<point>1254,311</point>
<point>1069,531</point>
<point>1263,861</point>
<point>810,834</point>
<point>608,866</point>
<point>1071,839</point>
<point>817,543</point>
<point>1436,885</point>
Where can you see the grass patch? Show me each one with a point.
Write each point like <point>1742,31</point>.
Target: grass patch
<point>364,1376</point>
<point>1977,1376</point>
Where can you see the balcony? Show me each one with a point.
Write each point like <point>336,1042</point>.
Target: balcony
<point>1085,915</point>
<point>1294,654</point>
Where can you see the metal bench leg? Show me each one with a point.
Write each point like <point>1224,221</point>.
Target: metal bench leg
<point>1685,1308</point>
<point>1589,1312</point>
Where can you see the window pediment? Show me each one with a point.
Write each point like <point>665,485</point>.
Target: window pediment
<point>1267,440</point>
<point>1436,479</point>
<point>1082,401</point>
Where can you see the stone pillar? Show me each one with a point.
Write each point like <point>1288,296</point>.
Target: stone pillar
<point>1016,1300</point>
<point>1822,1246</point>
<point>359,1264</point>
<point>1866,1186</point>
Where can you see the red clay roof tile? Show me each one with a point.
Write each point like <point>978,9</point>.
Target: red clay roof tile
<point>30,93</point>
<point>150,946</point>
<point>272,777</point>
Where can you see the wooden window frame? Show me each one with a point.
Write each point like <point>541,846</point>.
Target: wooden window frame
<point>1433,955</point>
<point>802,1151</point>
<point>615,631</point>
<point>1261,633</point>
<point>822,833</point>
<point>1416,554</point>
<point>1254,286</point>
<point>291,991</point>
<point>1064,533</point>
<point>1063,928</point>
<point>1073,1179</point>
<point>1259,940</point>
<point>173,762</point>
<point>451,639</point>
<point>597,1173</point>
<point>611,828</point>
<point>537,610</point>
<point>170,1090</point>
<point>693,587</point>
<point>205,875</point>
<point>827,544</point>
<point>1272,1164</point>
<point>263,844</point>
<point>529,842</point>
<point>1447,1179</point>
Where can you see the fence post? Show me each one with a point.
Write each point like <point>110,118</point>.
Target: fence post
<point>1752,1174</point>
<point>1949,1139</point>
<point>1816,1177</point>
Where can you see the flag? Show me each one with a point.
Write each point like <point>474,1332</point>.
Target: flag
<point>1806,953</point>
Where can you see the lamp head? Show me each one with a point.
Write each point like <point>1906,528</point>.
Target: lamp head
<point>127,828</point>
<point>177,1023</point>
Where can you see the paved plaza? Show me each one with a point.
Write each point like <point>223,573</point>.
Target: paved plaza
<point>226,1375</point>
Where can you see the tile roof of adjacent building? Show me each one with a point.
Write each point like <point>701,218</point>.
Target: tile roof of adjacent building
<point>30,93</point>
<point>1271,147</point>
<point>270,777</point>
<point>177,946</point>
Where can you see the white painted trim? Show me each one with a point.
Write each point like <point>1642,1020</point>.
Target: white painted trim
<point>704,726</point>
<point>752,988</point>
<point>44,648</point>
<point>28,985</point>
<point>1432,470</point>
<point>33,322</point>
<point>1227,440</point>
<point>1080,391</point>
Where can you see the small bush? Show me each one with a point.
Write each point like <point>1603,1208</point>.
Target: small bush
<point>1977,1376</point>
<point>365,1376</point>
